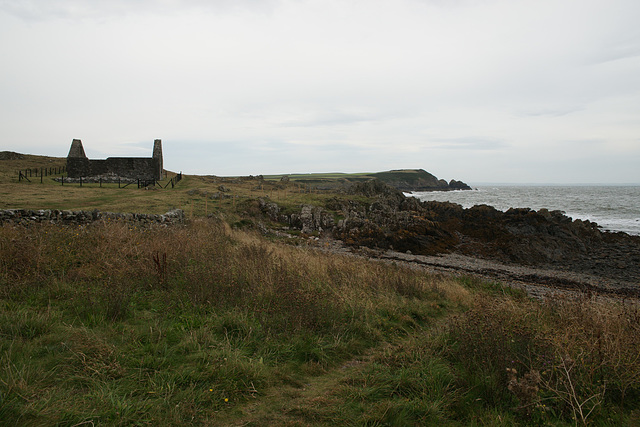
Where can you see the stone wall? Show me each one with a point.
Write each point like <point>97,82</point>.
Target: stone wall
<point>54,216</point>
<point>125,167</point>
<point>143,168</point>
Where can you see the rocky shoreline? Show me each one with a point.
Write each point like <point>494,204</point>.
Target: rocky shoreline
<point>543,250</point>
<point>537,282</point>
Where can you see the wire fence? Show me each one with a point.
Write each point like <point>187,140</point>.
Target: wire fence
<point>30,173</point>
<point>56,173</point>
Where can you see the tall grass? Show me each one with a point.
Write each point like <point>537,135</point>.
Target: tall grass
<point>113,324</point>
<point>117,324</point>
<point>569,359</point>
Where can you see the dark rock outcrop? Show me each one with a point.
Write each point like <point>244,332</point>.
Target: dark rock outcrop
<point>458,185</point>
<point>521,236</point>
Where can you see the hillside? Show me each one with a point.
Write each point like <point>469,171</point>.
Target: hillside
<point>11,163</point>
<point>418,180</point>
<point>404,180</point>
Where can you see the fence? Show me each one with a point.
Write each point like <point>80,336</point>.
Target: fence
<point>141,183</point>
<point>41,172</point>
<point>176,179</point>
<point>146,183</point>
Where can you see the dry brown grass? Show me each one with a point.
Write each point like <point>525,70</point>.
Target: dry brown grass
<point>571,357</point>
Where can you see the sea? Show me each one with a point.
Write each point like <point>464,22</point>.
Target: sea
<point>612,207</point>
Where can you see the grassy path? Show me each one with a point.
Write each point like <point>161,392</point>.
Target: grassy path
<point>314,400</point>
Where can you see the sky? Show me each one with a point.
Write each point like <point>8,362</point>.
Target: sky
<point>512,91</point>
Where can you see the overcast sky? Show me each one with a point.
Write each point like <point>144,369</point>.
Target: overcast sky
<point>522,91</point>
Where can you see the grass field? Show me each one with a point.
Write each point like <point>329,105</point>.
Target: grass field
<point>197,195</point>
<point>207,324</point>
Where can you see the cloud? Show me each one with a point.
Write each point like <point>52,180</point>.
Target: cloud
<point>335,117</point>
<point>469,143</point>
<point>40,10</point>
<point>245,86</point>
<point>551,112</point>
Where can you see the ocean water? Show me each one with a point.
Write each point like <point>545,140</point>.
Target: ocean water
<point>614,208</point>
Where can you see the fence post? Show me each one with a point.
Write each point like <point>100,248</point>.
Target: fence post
<point>61,179</point>
<point>23,176</point>
<point>80,181</point>
<point>100,182</point>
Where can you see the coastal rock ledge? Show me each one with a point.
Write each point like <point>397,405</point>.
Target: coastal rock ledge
<point>409,180</point>
<point>392,221</point>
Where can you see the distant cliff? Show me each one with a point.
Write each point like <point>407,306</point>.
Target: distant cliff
<point>418,180</point>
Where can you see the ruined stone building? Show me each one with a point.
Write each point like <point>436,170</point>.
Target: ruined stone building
<point>142,168</point>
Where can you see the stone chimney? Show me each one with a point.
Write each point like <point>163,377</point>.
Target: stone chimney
<point>77,150</point>
<point>78,165</point>
<point>157,158</point>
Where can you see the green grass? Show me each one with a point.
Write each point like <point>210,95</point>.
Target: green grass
<point>320,176</point>
<point>205,324</point>
<point>120,325</point>
<point>114,324</point>
<point>196,195</point>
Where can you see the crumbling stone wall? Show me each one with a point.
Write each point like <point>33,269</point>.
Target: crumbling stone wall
<point>143,168</point>
<point>54,216</point>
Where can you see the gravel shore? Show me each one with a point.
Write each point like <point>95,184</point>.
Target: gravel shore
<point>538,282</point>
